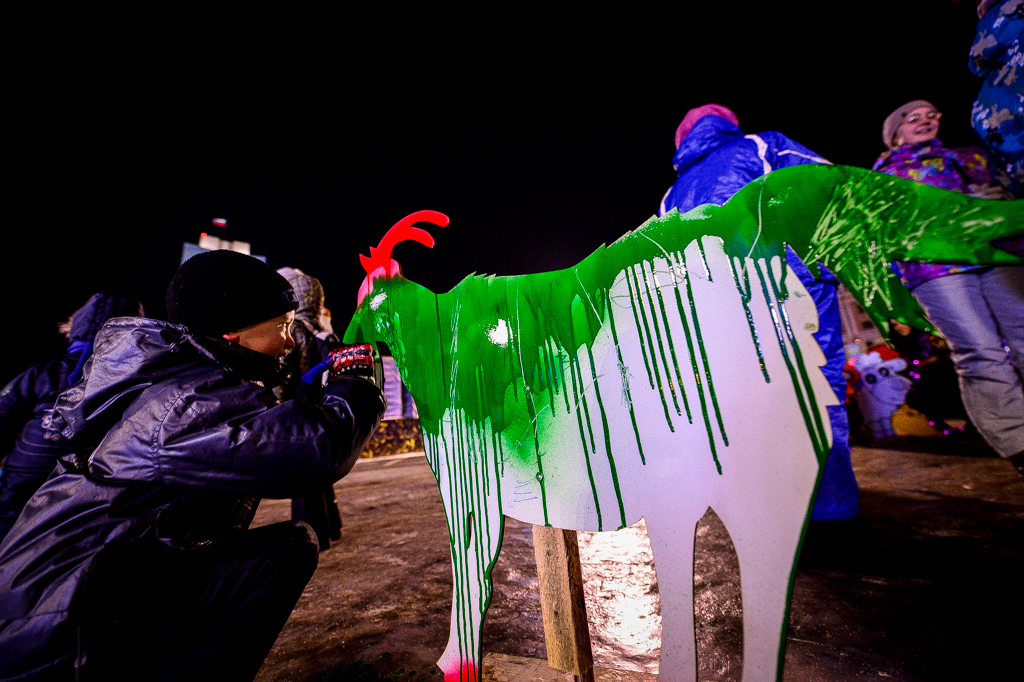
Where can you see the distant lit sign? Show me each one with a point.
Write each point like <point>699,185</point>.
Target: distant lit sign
<point>208,242</point>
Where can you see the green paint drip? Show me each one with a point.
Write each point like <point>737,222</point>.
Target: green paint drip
<point>459,564</point>
<point>539,458</point>
<point>496,446</point>
<point>607,441</point>
<point>703,353</point>
<point>574,369</point>
<point>689,340</point>
<point>704,260</point>
<point>633,298</point>
<point>561,378</point>
<point>552,375</point>
<point>578,397</point>
<point>549,358</point>
<point>798,355</point>
<point>532,413</point>
<point>501,453</point>
<point>546,377</point>
<point>480,441</point>
<point>657,333</point>
<point>745,297</point>
<point>707,366</point>
<point>481,388</point>
<point>478,514</point>
<point>624,372</point>
<point>650,345</point>
<point>467,471</point>
<point>804,408</point>
<point>668,339</point>
<point>664,315</point>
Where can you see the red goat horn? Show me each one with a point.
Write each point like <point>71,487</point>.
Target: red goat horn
<point>403,230</point>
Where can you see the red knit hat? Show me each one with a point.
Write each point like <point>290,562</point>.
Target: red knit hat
<point>694,115</point>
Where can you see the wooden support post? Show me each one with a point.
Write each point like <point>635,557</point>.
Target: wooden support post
<point>566,632</point>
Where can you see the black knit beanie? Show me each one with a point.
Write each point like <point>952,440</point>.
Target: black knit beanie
<point>219,292</point>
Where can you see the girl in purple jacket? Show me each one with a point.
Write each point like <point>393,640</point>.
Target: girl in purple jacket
<point>976,308</point>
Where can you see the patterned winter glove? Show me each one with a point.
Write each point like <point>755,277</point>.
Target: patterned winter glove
<point>355,360</point>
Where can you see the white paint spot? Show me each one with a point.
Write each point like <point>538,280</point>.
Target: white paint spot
<point>499,334</point>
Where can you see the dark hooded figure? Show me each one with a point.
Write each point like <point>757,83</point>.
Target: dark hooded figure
<point>27,433</point>
<point>135,560</point>
<point>313,342</point>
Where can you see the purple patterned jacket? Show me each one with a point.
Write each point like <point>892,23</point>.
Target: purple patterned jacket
<point>932,164</point>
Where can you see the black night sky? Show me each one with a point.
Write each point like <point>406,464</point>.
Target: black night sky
<point>542,137</point>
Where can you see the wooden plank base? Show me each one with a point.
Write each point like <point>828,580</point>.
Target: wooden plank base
<point>505,668</point>
<point>563,606</point>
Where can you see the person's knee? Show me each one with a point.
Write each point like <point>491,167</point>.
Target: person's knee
<point>984,364</point>
<point>300,544</point>
<point>305,534</point>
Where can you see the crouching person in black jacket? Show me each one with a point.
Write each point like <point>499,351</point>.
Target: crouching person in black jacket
<point>134,560</point>
<point>27,433</point>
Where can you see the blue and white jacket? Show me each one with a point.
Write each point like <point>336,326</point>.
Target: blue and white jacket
<point>715,160</point>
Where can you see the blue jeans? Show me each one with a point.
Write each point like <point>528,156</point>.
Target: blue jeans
<point>976,311</point>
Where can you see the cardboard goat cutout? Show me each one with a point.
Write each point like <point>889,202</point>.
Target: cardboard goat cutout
<point>672,371</point>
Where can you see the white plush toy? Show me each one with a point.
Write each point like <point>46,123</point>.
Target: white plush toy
<point>879,390</point>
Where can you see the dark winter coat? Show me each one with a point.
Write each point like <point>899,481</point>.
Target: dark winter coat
<point>182,444</point>
<point>29,441</point>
